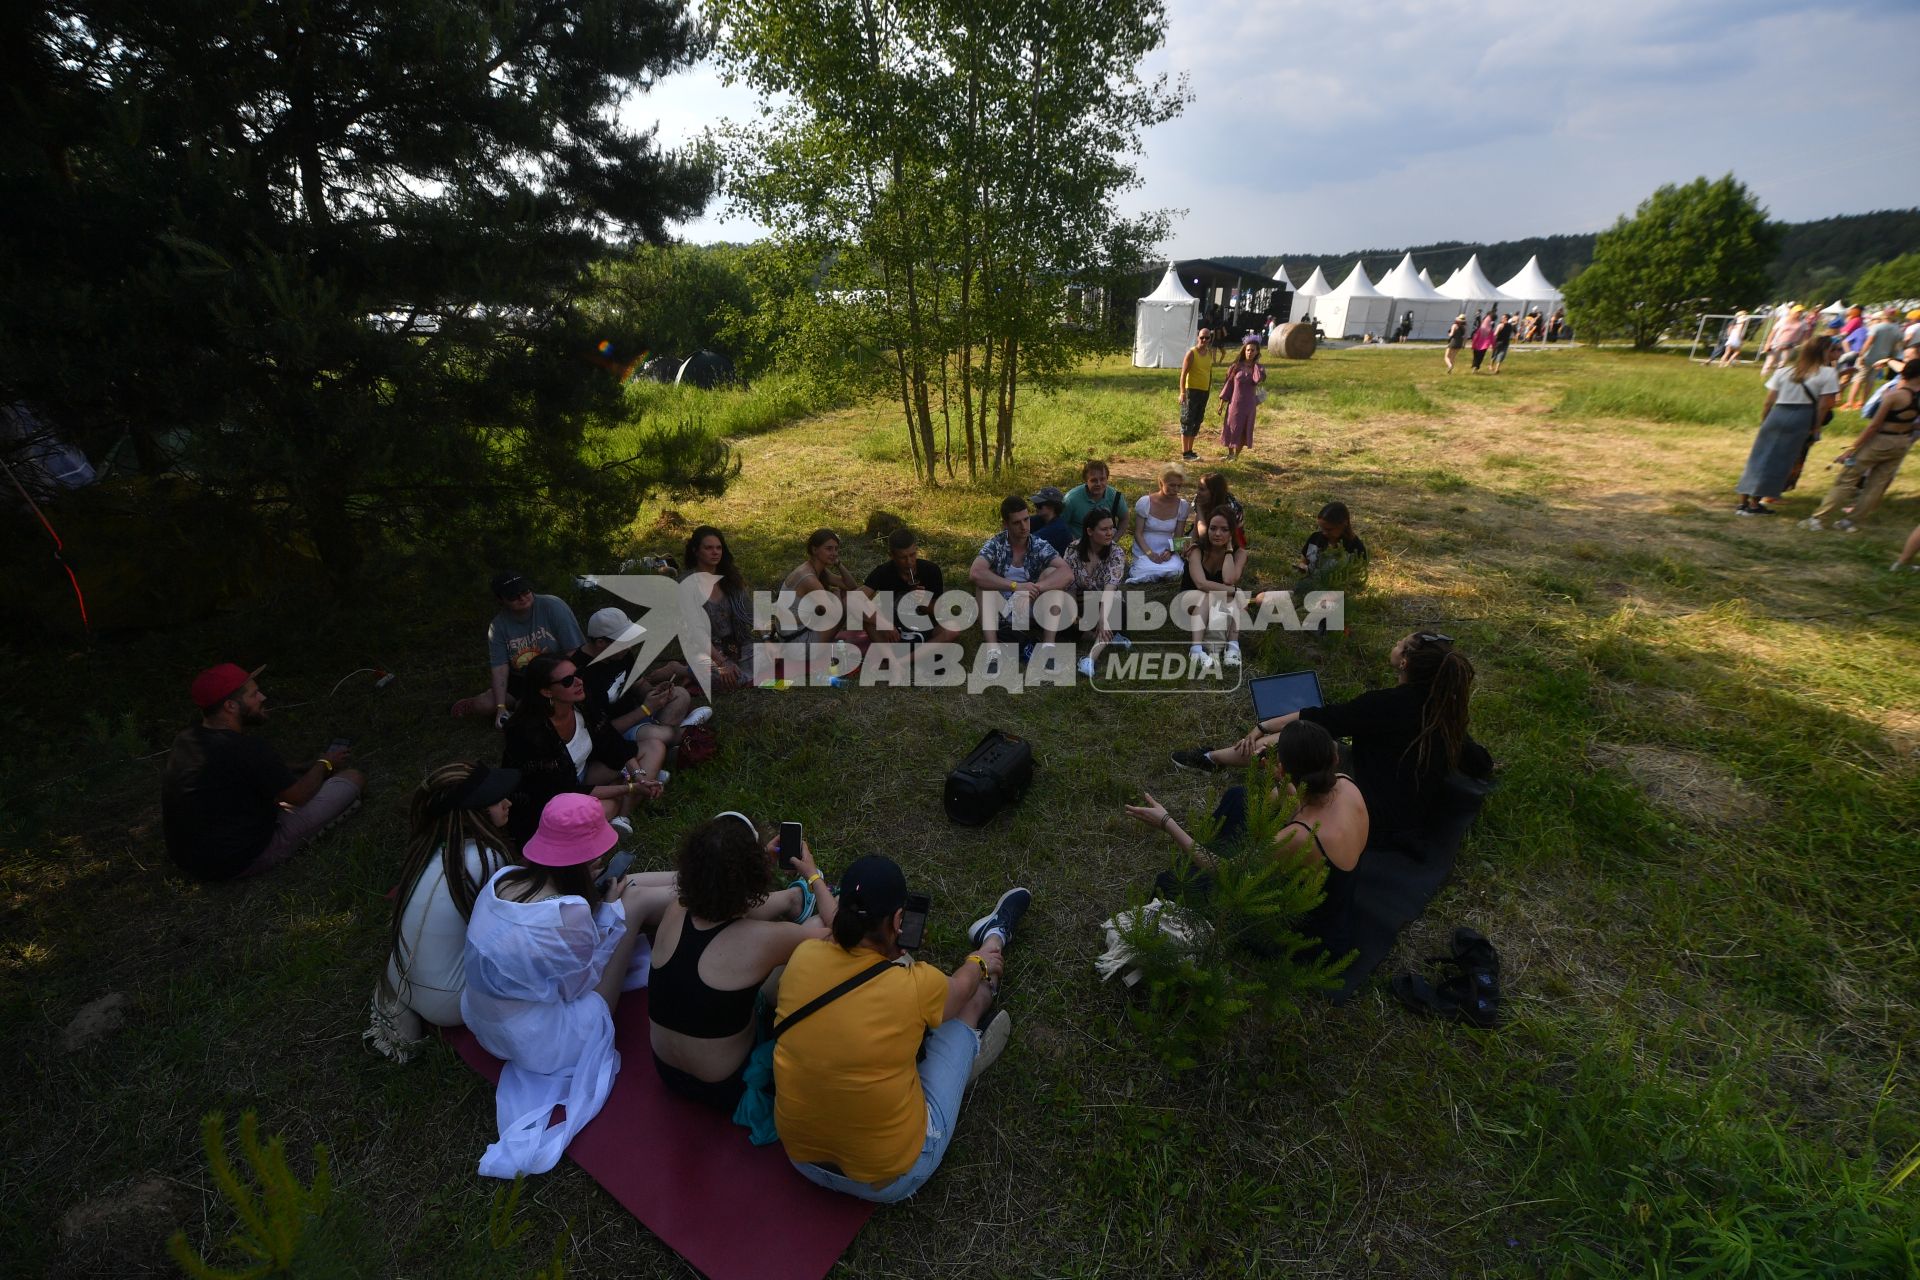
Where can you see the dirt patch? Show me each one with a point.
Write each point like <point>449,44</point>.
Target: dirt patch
<point>1689,786</point>
<point>123,1232</point>
<point>98,1018</point>
<point>1902,729</point>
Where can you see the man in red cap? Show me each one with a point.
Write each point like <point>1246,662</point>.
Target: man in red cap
<point>229,805</point>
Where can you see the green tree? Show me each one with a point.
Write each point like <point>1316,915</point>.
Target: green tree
<point>676,299</point>
<point>1896,280</point>
<point>953,169</point>
<point>210,205</point>
<point>1704,246</point>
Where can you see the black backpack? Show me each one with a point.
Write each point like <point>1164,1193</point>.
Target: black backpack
<point>994,774</point>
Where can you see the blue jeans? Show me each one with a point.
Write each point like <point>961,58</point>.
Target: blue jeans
<point>950,1050</point>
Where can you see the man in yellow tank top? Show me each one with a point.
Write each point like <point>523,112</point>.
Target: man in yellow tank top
<point>1196,383</point>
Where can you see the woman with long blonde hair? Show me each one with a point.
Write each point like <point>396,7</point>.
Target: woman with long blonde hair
<point>1799,401</point>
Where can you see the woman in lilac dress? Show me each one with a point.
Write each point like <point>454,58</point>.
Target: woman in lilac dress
<point>1239,399</point>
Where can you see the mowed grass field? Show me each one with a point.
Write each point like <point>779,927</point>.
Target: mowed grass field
<point>1700,870</point>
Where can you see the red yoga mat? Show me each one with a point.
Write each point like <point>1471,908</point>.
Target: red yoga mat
<point>689,1173</point>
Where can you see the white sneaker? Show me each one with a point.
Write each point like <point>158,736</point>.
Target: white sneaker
<point>1084,667</point>
<point>1844,525</point>
<point>1232,655</point>
<point>1122,639</point>
<point>993,1039</point>
<point>622,824</point>
<point>661,777</point>
<point>699,715</point>
<point>1812,523</point>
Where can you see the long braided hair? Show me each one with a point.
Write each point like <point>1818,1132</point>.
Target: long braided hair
<point>1433,661</point>
<point>438,825</point>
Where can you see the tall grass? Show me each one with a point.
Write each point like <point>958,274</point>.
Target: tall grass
<point>1679,394</point>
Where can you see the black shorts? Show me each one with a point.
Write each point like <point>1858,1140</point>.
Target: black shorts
<point>723,1095</point>
<point>1193,409</point>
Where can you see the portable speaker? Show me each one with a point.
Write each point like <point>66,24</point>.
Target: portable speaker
<point>994,774</point>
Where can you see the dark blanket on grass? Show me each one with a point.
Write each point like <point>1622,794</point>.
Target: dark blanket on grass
<point>1396,879</point>
<point>733,1210</point>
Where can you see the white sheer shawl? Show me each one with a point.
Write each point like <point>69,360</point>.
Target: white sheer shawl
<point>531,969</point>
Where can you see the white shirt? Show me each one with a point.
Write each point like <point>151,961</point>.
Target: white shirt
<point>580,746</point>
<point>1824,382</point>
<point>531,970</point>
<point>433,938</point>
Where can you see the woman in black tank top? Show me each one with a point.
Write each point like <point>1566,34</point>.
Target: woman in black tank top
<point>1331,821</point>
<point>722,938</point>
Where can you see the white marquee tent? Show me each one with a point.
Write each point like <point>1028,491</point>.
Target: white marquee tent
<point>1432,311</point>
<point>1839,308</point>
<point>1308,294</point>
<point>1472,291</point>
<point>1164,324</point>
<point>1356,307</point>
<point>1426,278</point>
<point>1530,285</point>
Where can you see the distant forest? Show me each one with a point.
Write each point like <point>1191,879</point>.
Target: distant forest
<point>1817,260</point>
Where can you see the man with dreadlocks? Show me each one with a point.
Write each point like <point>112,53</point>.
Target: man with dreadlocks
<point>1406,739</point>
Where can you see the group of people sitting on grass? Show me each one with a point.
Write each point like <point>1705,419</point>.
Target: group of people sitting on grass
<point>530,944</point>
<point>516,917</point>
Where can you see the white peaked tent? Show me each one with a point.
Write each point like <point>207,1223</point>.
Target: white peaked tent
<point>1164,324</point>
<point>1472,291</point>
<point>1839,308</point>
<point>1530,285</point>
<point>1426,278</point>
<point>1356,307</point>
<point>1308,294</point>
<point>1432,311</point>
<point>1282,276</point>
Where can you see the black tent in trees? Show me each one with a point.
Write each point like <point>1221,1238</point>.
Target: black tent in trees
<point>660,368</point>
<point>705,369</point>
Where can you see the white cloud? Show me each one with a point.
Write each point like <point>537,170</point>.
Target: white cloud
<point>1320,128</point>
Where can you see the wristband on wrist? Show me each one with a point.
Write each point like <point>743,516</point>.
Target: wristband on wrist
<point>325,763</point>
<point>810,879</point>
<point>981,960</point>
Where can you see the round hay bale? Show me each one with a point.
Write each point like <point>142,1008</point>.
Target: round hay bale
<point>1293,341</point>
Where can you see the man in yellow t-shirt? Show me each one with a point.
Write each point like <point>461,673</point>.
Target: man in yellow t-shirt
<point>855,1112</point>
<point>1196,383</point>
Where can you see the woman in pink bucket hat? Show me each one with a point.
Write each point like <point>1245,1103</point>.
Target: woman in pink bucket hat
<point>548,953</point>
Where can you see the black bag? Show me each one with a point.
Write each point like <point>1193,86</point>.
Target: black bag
<point>993,775</point>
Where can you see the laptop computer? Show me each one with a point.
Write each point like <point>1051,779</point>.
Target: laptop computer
<point>1281,695</point>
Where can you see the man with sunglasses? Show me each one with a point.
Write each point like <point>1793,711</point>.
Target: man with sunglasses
<point>527,626</point>
<point>229,805</point>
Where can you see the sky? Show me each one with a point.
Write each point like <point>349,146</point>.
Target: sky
<point>1318,128</point>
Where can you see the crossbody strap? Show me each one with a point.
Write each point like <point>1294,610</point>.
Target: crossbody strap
<point>822,1001</point>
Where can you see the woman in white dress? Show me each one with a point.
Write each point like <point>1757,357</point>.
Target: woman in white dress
<point>1158,520</point>
<point>547,956</point>
<point>460,806</point>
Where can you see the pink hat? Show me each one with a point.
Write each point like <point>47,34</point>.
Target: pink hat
<point>573,830</point>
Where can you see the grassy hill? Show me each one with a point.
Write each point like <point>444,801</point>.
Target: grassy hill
<point>1698,868</point>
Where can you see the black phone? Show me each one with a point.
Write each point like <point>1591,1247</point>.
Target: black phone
<point>913,921</point>
<point>791,841</point>
<point>339,744</point>
<point>617,866</point>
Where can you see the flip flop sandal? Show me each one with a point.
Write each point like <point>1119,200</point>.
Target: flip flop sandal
<point>1419,995</point>
<point>807,902</point>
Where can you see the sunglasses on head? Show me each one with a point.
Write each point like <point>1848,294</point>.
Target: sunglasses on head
<point>1431,637</point>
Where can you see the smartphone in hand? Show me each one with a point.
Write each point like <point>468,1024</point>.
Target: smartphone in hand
<point>791,842</point>
<point>913,921</point>
<point>339,744</point>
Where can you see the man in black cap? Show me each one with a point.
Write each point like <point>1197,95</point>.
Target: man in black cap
<point>1048,524</point>
<point>527,626</point>
<point>856,1112</point>
<point>229,805</point>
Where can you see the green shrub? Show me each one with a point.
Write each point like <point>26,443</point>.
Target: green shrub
<point>1245,954</point>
